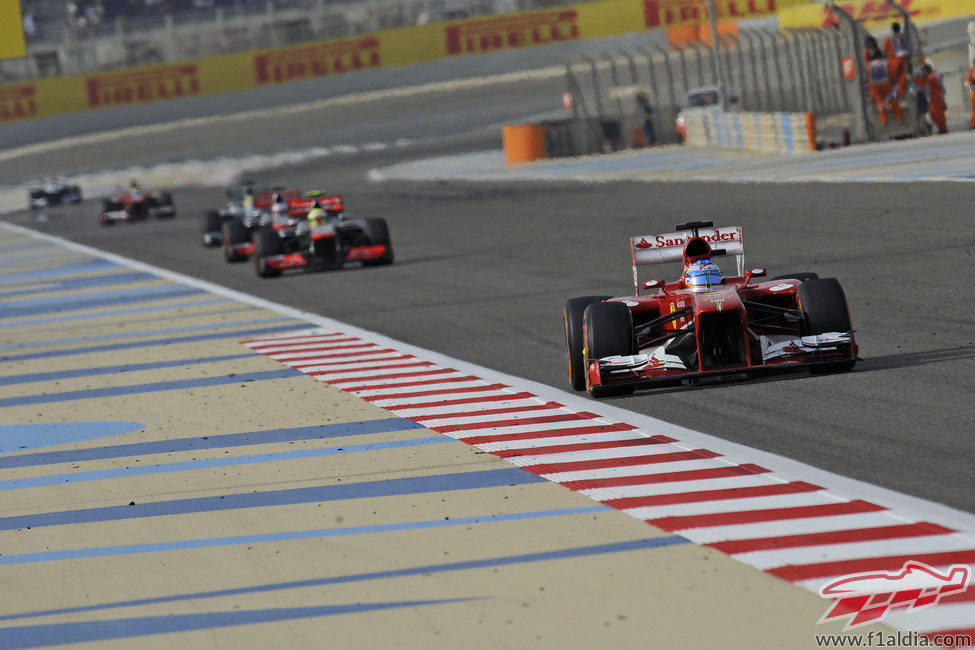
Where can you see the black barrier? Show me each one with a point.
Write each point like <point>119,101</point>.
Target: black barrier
<point>612,138</point>
<point>581,137</point>
<point>558,138</point>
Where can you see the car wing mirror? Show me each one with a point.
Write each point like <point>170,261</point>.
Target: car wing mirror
<point>654,284</point>
<point>755,273</point>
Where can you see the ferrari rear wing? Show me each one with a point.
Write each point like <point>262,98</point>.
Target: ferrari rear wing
<point>669,247</point>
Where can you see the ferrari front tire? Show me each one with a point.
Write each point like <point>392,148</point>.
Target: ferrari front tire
<point>575,345</point>
<point>608,333</point>
<point>824,309</point>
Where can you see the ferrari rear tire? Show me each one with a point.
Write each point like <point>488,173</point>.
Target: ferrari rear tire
<point>378,233</point>
<point>575,344</point>
<point>802,276</point>
<point>233,232</point>
<point>209,223</point>
<point>608,330</point>
<point>824,309</point>
<point>266,243</point>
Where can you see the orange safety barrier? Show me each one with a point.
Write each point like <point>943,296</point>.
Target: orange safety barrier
<point>811,130</point>
<point>523,142</point>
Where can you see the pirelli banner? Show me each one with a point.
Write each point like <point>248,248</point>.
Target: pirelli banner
<point>874,13</point>
<point>243,70</point>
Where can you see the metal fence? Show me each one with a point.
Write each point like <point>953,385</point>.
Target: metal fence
<point>760,70</point>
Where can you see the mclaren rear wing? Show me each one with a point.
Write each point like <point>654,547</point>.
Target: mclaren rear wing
<point>669,247</point>
<point>263,200</point>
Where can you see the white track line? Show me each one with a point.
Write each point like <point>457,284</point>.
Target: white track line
<point>350,99</point>
<point>729,489</point>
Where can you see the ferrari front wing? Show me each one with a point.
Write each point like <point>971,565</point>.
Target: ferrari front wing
<point>779,354</point>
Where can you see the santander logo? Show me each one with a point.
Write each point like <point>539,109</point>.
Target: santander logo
<point>666,241</point>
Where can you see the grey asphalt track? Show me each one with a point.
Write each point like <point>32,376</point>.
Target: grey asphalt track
<point>21,133</point>
<point>483,269</point>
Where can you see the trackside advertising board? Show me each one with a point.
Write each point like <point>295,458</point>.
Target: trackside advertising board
<point>243,70</point>
<point>12,44</point>
<point>873,14</point>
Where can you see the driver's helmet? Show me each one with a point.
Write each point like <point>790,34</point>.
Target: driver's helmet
<point>702,275</point>
<point>316,215</point>
<point>280,213</point>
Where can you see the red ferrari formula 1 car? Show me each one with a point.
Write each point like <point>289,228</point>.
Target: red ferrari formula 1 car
<point>135,204</point>
<point>313,233</point>
<point>705,325</point>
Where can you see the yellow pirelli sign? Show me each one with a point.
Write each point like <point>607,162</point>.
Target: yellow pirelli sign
<point>874,13</point>
<point>400,46</point>
<point>12,43</point>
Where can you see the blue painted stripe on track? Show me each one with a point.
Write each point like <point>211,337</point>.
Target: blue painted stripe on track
<point>93,264</point>
<point>15,438</point>
<point>69,302</point>
<point>33,636</point>
<point>505,560</point>
<point>6,257</point>
<point>144,344</point>
<point>90,301</point>
<point>115,312</point>
<point>155,387</point>
<point>290,496</point>
<point>718,130</point>
<point>222,441</point>
<point>129,334</point>
<point>81,283</point>
<point>210,463</point>
<point>55,375</point>
<point>214,542</point>
<point>790,146</point>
